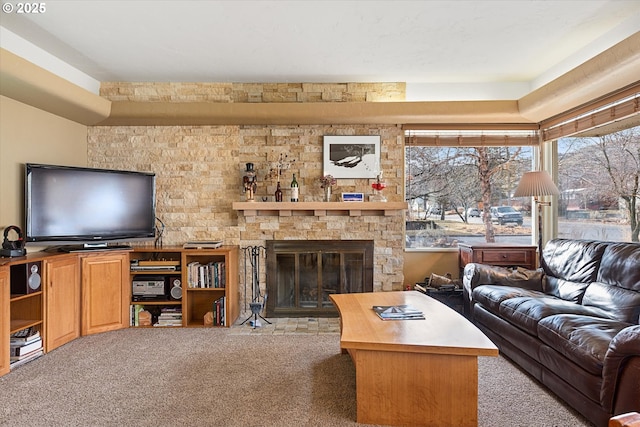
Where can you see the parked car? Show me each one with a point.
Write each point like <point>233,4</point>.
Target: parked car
<point>505,215</point>
<point>471,212</point>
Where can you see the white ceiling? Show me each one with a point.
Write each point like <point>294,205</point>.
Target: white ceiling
<point>442,49</point>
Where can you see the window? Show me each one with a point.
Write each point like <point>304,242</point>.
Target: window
<point>599,180</point>
<point>451,190</point>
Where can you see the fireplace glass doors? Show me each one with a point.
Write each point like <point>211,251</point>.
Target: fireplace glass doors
<point>302,274</point>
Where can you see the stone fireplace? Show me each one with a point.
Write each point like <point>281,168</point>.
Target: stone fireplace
<point>336,224</point>
<point>301,274</point>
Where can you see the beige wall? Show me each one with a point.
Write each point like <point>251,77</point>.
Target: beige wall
<point>30,135</point>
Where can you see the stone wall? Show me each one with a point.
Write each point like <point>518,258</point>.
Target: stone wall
<point>253,92</point>
<point>199,170</point>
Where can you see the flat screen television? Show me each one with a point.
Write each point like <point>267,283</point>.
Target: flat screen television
<point>87,207</point>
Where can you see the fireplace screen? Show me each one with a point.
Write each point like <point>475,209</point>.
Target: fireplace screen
<point>302,274</point>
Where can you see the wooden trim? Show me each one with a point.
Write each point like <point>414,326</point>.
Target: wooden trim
<point>611,98</point>
<point>631,419</point>
<point>132,113</point>
<point>471,126</point>
<point>557,128</point>
<point>471,140</point>
<point>319,208</point>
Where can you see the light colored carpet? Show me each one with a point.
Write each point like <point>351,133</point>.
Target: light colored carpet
<point>226,377</point>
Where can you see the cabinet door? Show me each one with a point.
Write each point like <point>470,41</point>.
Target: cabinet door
<point>5,320</point>
<point>62,295</point>
<point>105,293</point>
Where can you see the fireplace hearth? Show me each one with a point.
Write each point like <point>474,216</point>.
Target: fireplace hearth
<point>301,274</point>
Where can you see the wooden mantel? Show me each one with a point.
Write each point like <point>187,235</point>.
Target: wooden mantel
<point>320,208</point>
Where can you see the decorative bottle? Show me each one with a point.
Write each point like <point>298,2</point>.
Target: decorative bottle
<point>294,189</point>
<point>278,193</point>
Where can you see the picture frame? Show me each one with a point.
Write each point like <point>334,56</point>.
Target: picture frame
<point>351,156</point>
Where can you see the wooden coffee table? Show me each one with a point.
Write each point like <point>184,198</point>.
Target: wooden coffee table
<point>412,372</point>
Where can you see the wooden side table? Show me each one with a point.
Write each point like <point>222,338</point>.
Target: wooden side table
<point>498,254</point>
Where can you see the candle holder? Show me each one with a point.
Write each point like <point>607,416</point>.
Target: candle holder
<point>378,186</point>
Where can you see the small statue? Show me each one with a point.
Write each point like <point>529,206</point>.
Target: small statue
<point>250,183</point>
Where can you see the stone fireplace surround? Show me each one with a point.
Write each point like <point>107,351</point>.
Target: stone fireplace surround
<point>331,221</point>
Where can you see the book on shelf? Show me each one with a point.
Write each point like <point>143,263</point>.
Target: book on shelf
<point>209,275</point>
<point>219,312</point>
<point>21,360</point>
<point>135,314</point>
<point>398,312</point>
<point>17,350</point>
<point>169,316</point>
<point>24,336</point>
<point>203,244</point>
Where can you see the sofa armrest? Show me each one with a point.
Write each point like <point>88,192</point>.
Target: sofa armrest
<point>621,372</point>
<point>482,274</point>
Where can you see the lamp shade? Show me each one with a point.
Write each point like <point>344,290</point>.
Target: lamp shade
<point>536,183</point>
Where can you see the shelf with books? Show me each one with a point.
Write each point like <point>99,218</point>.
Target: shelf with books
<point>203,276</point>
<point>202,301</point>
<point>211,276</point>
<point>24,346</point>
<point>156,314</point>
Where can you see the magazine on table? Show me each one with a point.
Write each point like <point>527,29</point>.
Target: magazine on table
<point>398,312</point>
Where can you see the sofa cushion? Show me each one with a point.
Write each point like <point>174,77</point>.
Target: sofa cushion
<point>620,266</point>
<point>564,289</point>
<point>490,296</point>
<point>619,303</point>
<point>526,312</point>
<point>582,339</point>
<point>572,260</point>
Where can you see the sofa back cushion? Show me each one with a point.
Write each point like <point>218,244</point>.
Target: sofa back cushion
<point>569,266</point>
<point>619,303</point>
<point>572,260</point>
<point>620,266</point>
<point>564,289</point>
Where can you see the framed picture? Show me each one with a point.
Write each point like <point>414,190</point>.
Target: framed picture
<point>351,156</point>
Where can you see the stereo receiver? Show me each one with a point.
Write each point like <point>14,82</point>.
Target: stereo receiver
<point>148,288</point>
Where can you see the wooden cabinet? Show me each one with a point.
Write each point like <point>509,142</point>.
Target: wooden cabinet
<point>154,274</point>
<point>498,254</point>
<point>62,290</point>
<point>5,319</point>
<point>198,300</point>
<point>62,296</point>
<point>105,292</point>
<point>206,276</point>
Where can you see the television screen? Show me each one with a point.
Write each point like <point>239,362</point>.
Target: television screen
<point>87,205</point>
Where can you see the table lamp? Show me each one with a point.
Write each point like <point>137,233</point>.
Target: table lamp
<point>535,184</point>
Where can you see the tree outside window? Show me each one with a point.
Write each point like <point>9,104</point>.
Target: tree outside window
<point>451,190</point>
<point>599,180</point>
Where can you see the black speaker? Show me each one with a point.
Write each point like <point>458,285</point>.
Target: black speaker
<point>13,248</point>
<point>175,288</point>
<point>26,278</point>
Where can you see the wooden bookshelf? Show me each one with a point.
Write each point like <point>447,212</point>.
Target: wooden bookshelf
<point>198,295</point>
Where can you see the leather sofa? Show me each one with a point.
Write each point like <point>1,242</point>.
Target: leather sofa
<point>573,324</point>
